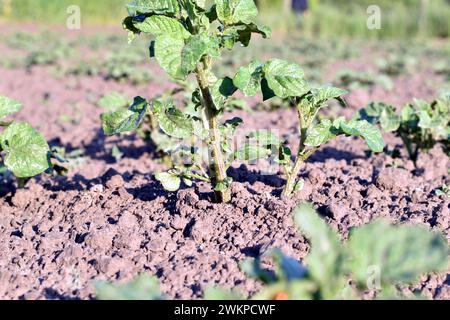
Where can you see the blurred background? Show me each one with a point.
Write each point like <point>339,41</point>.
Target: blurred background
<point>327,18</point>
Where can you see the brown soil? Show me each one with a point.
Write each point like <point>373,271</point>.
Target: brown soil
<point>112,220</point>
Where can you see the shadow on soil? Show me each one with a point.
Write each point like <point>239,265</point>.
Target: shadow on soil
<point>99,148</point>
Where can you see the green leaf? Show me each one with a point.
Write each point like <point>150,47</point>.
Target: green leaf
<point>299,185</point>
<point>125,120</point>
<point>321,134</point>
<point>326,259</point>
<point>168,50</point>
<point>169,181</point>
<point>264,31</point>
<point>389,120</point>
<point>175,123</point>
<point>114,101</point>
<point>372,112</point>
<point>27,152</point>
<point>153,7</point>
<point>251,153</point>
<point>248,78</point>
<point>223,185</point>
<point>221,91</point>
<point>8,106</point>
<point>409,115</point>
<point>236,11</point>
<point>284,157</point>
<point>365,130</point>
<point>162,25</point>
<point>143,287</point>
<point>321,95</point>
<point>286,79</point>
<point>401,253</point>
<point>243,34</point>
<point>196,47</point>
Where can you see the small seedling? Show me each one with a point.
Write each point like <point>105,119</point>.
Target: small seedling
<point>420,125</point>
<point>24,151</point>
<point>188,37</point>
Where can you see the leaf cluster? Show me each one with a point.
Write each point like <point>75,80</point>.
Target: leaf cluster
<point>420,125</point>
<point>25,151</point>
<point>187,30</point>
<point>312,133</point>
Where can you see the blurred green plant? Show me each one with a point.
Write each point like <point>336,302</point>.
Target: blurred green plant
<point>395,65</point>
<point>366,262</point>
<point>442,67</point>
<point>353,80</point>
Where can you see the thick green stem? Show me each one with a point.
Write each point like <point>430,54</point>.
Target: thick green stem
<point>292,178</point>
<point>217,167</point>
<point>302,156</point>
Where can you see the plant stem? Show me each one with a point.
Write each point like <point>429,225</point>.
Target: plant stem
<point>292,178</point>
<point>411,153</point>
<point>217,167</point>
<point>302,156</point>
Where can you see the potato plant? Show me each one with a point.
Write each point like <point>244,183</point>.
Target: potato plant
<point>189,36</point>
<point>420,125</point>
<point>332,269</point>
<point>313,134</point>
<point>23,150</point>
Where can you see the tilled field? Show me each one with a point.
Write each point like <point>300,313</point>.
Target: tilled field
<point>112,220</point>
